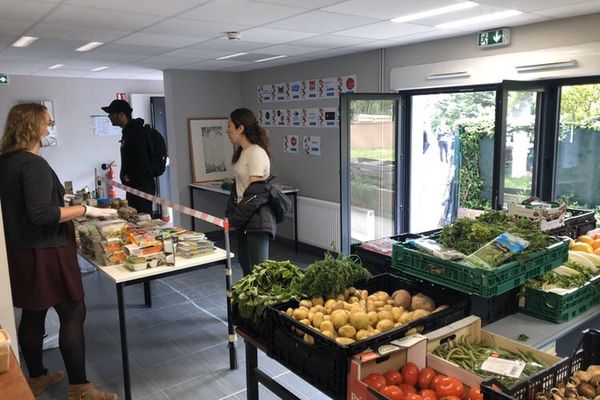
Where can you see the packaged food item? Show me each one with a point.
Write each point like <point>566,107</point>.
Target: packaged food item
<point>4,351</point>
<point>495,252</point>
<point>436,249</point>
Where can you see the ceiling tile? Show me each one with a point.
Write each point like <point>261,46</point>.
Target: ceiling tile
<point>130,49</point>
<point>163,8</point>
<point>384,30</point>
<point>151,76</point>
<point>214,65</point>
<point>330,41</point>
<point>195,55</point>
<point>535,5</point>
<point>564,11</point>
<point>307,4</point>
<point>387,9</point>
<point>163,62</point>
<point>25,10</point>
<point>242,12</point>
<point>189,27</point>
<point>61,31</point>
<point>155,39</point>
<point>7,40</point>
<point>20,67</point>
<point>110,57</point>
<point>230,46</point>
<point>126,72</point>
<point>98,18</point>
<point>273,35</point>
<point>288,50</point>
<point>521,19</point>
<point>11,27</point>
<point>320,22</point>
<point>61,73</point>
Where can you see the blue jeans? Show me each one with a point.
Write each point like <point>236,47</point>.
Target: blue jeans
<point>253,248</point>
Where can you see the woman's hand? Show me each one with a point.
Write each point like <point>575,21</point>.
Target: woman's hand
<point>96,212</point>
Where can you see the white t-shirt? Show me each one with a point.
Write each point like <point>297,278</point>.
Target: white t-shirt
<point>253,161</point>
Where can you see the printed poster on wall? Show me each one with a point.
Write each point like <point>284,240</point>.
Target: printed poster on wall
<point>295,117</point>
<point>328,87</point>
<point>265,117</point>
<point>310,89</point>
<point>295,90</point>
<point>347,84</point>
<point>310,117</point>
<point>328,117</point>
<point>290,144</point>
<point>267,93</point>
<point>281,92</point>
<point>280,117</point>
<point>312,145</point>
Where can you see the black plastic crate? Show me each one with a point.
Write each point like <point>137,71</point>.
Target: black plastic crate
<point>378,263</point>
<point>325,364</point>
<point>262,330</point>
<point>586,353</point>
<point>495,308</point>
<point>579,223</point>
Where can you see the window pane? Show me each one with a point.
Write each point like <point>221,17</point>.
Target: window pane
<point>578,159</point>
<point>372,168</point>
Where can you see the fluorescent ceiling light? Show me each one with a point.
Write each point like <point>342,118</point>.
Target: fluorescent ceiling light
<point>482,18</point>
<point>56,66</point>
<point>24,41</point>
<point>89,46</point>
<point>230,56</point>
<point>546,66</point>
<point>100,69</point>
<point>449,75</point>
<point>270,58</point>
<point>436,11</point>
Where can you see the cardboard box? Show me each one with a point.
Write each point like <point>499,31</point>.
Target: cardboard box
<point>4,351</point>
<point>545,218</point>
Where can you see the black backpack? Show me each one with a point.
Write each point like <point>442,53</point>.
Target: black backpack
<point>157,149</point>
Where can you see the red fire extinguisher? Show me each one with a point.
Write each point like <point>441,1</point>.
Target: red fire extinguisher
<point>110,174</point>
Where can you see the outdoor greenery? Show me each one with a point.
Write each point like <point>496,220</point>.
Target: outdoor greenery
<point>374,154</point>
<point>373,108</point>
<point>579,108</point>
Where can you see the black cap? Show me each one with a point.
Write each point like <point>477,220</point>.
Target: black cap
<point>118,106</point>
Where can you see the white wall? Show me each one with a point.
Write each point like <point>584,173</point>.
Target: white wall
<point>7,316</point>
<point>78,152</point>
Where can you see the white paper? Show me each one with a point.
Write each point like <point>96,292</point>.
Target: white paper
<point>290,144</point>
<point>295,90</point>
<point>310,117</point>
<point>347,84</point>
<point>281,92</point>
<point>328,87</point>
<point>265,117</point>
<point>502,366</point>
<point>310,89</point>
<point>328,117</point>
<point>280,117</point>
<point>312,145</point>
<point>101,126</point>
<point>295,117</point>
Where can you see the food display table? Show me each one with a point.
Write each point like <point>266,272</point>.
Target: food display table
<point>122,277</point>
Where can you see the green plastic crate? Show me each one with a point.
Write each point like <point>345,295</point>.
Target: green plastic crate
<point>485,283</point>
<point>555,308</point>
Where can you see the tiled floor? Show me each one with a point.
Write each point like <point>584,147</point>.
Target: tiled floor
<point>177,348</point>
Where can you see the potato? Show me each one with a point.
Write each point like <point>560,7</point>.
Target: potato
<point>344,341</point>
<point>326,326</point>
<point>373,317</point>
<point>317,301</point>
<point>371,306</point>
<point>308,339</point>
<point>317,320</point>
<point>397,313</point>
<point>359,320</point>
<point>299,332</point>
<point>405,317</point>
<point>385,325</point>
<point>305,303</point>
<point>290,312</point>
<point>310,315</point>
<point>385,315</point>
<point>329,334</point>
<point>375,332</point>
<point>379,303</point>
<point>422,302</point>
<point>387,307</point>
<point>300,313</point>
<point>347,306</point>
<point>340,305</point>
<point>341,297</point>
<point>402,298</point>
<point>364,294</point>
<point>411,332</point>
<point>415,315</point>
<point>305,321</point>
<point>330,304</point>
<point>353,299</point>
<point>327,317</point>
<point>347,331</point>
<point>356,309</point>
<point>339,318</point>
<point>362,334</point>
<point>381,295</point>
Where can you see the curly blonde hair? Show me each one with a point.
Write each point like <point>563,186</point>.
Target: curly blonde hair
<point>22,126</point>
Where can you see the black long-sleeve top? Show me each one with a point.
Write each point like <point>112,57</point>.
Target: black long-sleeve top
<point>31,195</point>
<point>135,156</point>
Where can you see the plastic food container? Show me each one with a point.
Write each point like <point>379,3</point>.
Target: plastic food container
<point>4,351</point>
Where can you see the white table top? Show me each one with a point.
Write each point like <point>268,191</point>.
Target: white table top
<point>216,187</point>
<point>120,274</point>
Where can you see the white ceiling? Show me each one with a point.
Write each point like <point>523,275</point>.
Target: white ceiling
<point>143,37</point>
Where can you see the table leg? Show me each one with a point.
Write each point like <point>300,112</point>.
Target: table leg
<point>192,207</point>
<point>147,294</point>
<point>251,366</point>
<point>231,337</point>
<point>124,351</point>
<point>295,196</point>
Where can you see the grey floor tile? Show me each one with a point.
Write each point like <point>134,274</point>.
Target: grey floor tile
<point>156,396</point>
<point>204,387</point>
<point>141,385</point>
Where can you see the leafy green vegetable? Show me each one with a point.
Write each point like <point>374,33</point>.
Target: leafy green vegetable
<point>271,282</point>
<point>552,279</point>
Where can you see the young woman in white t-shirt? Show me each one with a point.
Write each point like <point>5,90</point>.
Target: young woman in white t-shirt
<point>252,164</point>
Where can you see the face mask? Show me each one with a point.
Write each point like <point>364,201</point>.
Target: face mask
<point>50,140</point>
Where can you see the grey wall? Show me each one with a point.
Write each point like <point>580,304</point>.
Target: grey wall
<point>315,176</point>
<point>78,152</point>
<point>194,94</point>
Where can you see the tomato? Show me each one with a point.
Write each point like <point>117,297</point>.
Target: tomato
<point>376,381</point>
<point>475,393</point>
<point>407,389</point>
<point>447,387</point>
<point>393,377</point>
<point>435,380</point>
<point>410,373</point>
<point>425,377</point>
<point>428,394</point>
<point>413,396</point>
<point>450,398</point>
<point>392,392</point>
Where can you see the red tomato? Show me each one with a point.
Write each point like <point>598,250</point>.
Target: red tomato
<point>450,398</point>
<point>413,396</point>
<point>376,381</point>
<point>435,380</point>
<point>425,377</point>
<point>447,387</point>
<point>393,377</point>
<point>392,392</point>
<point>428,394</point>
<point>407,389</point>
<point>475,393</point>
<point>410,373</point>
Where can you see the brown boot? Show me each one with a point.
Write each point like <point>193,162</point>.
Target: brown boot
<point>39,384</point>
<point>86,391</point>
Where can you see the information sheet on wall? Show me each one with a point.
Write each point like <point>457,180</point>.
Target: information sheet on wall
<point>312,145</point>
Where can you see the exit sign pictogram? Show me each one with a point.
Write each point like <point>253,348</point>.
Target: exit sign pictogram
<point>494,38</point>
<point>3,79</point>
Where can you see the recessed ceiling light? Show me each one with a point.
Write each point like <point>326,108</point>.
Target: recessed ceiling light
<point>89,46</point>
<point>270,58</point>
<point>24,41</point>
<point>56,66</point>
<point>481,18</point>
<point>231,56</point>
<point>100,69</point>
<point>436,11</point>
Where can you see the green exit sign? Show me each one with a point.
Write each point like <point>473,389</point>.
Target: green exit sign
<point>3,79</point>
<point>494,38</point>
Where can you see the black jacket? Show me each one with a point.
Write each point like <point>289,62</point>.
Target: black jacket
<point>135,156</point>
<point>253,214</point>
<point>31,196</point>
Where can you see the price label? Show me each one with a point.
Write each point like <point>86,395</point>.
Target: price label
<point>502,366</point>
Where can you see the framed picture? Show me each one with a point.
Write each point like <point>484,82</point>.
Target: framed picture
<point>210,149</point>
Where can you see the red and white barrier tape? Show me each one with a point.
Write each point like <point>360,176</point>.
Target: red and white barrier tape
<point>168,203</point>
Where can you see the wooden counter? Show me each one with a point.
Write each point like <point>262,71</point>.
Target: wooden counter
<point>13,384</point>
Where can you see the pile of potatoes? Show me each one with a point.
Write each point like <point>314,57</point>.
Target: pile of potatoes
<point>356,314</point>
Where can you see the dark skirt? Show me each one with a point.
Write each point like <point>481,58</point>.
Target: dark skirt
<point>44,277</point>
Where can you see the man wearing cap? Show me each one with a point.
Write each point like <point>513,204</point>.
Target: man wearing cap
<point>135,156</point>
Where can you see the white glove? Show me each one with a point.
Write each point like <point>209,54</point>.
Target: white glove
<point>95,212</point>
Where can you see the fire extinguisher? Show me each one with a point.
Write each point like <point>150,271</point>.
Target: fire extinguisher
<point>110,174</point>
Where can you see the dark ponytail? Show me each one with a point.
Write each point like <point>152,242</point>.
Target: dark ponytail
<point>254,133</point>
